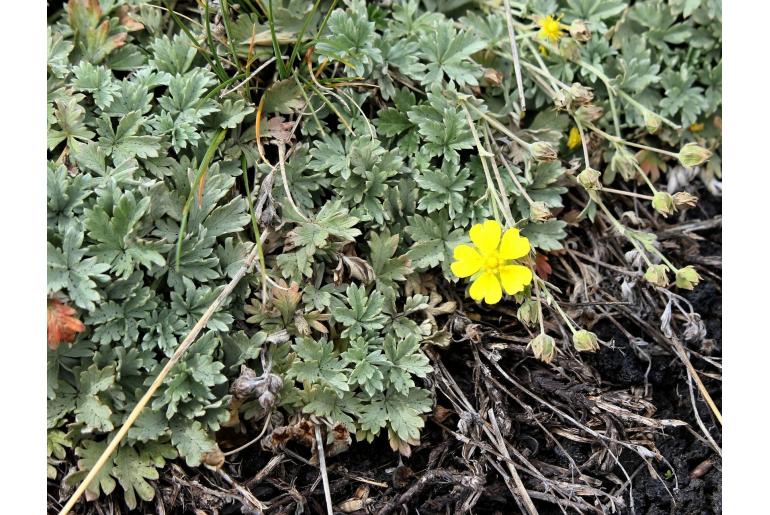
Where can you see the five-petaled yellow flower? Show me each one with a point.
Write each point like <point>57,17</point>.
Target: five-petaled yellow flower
<point>489,261</point>
<point>550,29</point>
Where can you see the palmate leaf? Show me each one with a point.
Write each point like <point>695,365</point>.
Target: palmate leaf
<point>123,142</point>
<point>433,239</point>
<point>191,440</point>
<point>406,360</point>
<point>364,313</point>
<point>349,40</point>
<point>367,365</point>
<point>448,53</point>
<point>70,123</point>
<point>67,270</point>
<point>132,471</point>
<point>318,364</point>
<point>113,224</point>
<point>88,452</point>
<point>444,187</point>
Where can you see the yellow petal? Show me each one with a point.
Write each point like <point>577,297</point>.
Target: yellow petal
<point>513,245</point>
<point>486,236</point>
<point>515,278</point>
<point>486,287</point>
<point>468,261</point>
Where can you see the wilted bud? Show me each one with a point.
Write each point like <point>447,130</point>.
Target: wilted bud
<point>267,400</point>
<point>624,163</point>
<point>693,155</point>
<point>663,203</point>
<point>589,179</point>
<point>580,94</point>
<point>542,152</point>
<point>585,341</point>
<point>589,113</point>
<point>656,274</point>
<point>543,347</point>
<point>684,199</point>
<point>652,122</point>
<point>247,385</point>
<point>528,313</point>
<point>579,31</point>
<point>687,278</point>
<point>492,77</point>
<point>539,212</point>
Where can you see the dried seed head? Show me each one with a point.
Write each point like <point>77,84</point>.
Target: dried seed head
<point>663,203</point>
<point>247,385</point>
<point>492,77</point>
<point>687,278</point>
<point>542,152</point>
<point>590,179</point>
<point>543,347</point>
<point>539,212</point>
<point>561,100</point>
<point>656,274</point>
<point>683,199</point>
<point>579,31</point>
<point>585,341</point>
<point>693,155</point>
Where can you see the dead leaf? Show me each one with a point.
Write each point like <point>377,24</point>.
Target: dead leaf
<point>542,267</point>
<point>63,325</point>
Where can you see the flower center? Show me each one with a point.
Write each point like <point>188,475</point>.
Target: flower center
<point>491,262</point>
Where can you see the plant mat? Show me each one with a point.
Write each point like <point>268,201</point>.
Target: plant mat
<point>621,431</point>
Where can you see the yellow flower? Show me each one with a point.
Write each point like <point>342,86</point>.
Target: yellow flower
<point>697,127</point>
<point>550,29</point>
<point>574,138</point>
<point>489,261</point>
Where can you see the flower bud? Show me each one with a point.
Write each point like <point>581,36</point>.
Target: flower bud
<point>585,341</point>
<point>543,347</point>
<point>267,400</point>
<point>589,113</point>
<point>539,212</point>
<point>663,203</point>
<point>580,94</point>
<point>684,199</point>
<point>652,122</point>
<point>687,278</point>
<point>579,31</point>
<point>589,179</point>
<point>528,313</point>
<point>542,152</point>
<point>569,49</point>
<point>656,274</point>
<point>693,155</point>
<point>624,163</point>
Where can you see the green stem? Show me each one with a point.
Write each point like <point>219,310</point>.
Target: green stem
<point>202,169</point>
<point>282,70</point>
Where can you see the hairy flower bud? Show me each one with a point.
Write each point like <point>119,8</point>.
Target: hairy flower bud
<point>684,199</point>
<point>692,155</point>
<point>687,278</point>
<point>652,122</point>
<point>589,113</point>
<point>589,179</point>
<point>580,95</point>
<point>539,212</point>
<point>267,400</point>
<point>579,31</point>
<point>561,100</point>
<point>624,163</point>
<point>528,313</point>
<point>543,347</point>
<point>542,152</point>
<point>656,274</point>
<point>663,203</point>
<point>585,341</point>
